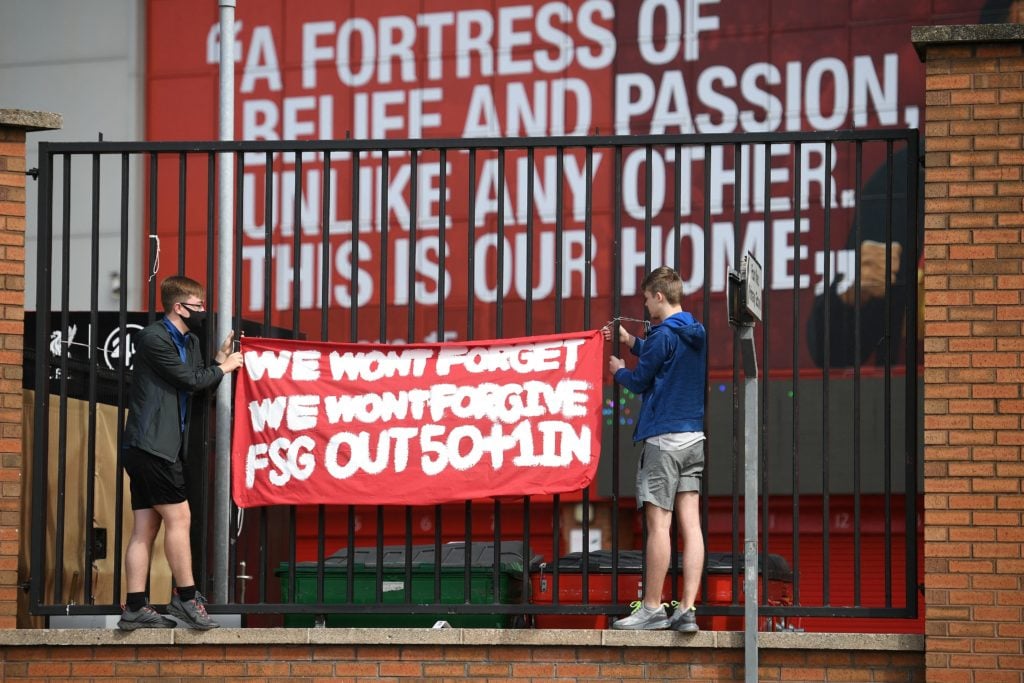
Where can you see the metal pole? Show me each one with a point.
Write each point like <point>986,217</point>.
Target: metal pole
<point>750,458</point>
<point>225,296</point>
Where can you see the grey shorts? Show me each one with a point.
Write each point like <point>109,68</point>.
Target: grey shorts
<point>660,475</point>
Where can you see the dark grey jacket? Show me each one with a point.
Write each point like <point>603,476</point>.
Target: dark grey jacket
<point>153,423</point>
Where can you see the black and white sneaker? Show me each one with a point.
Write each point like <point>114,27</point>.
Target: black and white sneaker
<point>192,612</point>
<point>144,617</point>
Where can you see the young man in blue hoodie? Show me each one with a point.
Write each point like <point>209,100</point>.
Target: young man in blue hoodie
<point>669,376</point>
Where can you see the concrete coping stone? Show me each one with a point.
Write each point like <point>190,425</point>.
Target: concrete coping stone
<point>92,637</point>
<point>30,120</point>
<point>924,37</point>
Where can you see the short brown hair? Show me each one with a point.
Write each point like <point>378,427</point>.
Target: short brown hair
<point>666,281</point>
<point>177,289</point>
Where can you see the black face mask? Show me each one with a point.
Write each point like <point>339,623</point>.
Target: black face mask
<point>194,321</point>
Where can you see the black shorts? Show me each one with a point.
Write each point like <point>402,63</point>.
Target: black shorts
<point>154,481</point>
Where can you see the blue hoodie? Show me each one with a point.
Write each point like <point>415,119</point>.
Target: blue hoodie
<point>669,377</point>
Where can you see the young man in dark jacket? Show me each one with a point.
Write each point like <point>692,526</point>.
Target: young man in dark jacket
<point>168,369</point>
<point>669,376</point>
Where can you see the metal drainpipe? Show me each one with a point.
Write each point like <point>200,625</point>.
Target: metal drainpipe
<point>225,296</point>
<point>750,476</point>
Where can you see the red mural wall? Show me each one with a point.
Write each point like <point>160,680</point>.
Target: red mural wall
<point>394,69</point>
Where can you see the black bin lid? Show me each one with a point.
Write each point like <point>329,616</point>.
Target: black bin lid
<point>631,561</point>
<point>453,556</point>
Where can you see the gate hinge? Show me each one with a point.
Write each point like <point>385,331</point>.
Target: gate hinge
<point>34,172</point>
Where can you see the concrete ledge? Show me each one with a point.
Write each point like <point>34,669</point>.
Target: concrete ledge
<point>30,120</point>
<point>459,636</point>
<point>924,37</point>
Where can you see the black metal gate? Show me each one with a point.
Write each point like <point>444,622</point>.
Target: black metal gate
<point>418,240</point>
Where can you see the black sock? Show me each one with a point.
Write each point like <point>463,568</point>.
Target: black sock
<point>187,593</point>
<point>135,601</point>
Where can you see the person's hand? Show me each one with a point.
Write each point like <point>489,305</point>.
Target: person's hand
<point>872,272</point>
<point>624,336</point>
<point>232,362</point>
<point>225,348</point>
<point>615,364</point>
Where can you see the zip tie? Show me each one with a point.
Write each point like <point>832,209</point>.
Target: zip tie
<point>156,259</point>
<point>646,323</point>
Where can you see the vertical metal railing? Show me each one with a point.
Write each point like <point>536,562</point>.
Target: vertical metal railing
<point>273,544</point>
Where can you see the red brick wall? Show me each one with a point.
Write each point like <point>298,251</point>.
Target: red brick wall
<point>12,306</point>
<point>974,362</point>
<point>358,664</point>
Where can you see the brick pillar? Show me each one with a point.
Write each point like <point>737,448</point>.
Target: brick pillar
<point>14,124</point>
<point>974,352</point>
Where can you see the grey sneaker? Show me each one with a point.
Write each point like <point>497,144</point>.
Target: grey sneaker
<point>642,619</point>
<point>683,620</point>
<point>191,612</point>
<point>144,617</point>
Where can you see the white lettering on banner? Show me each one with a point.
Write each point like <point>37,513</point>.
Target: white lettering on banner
<point>482,119</point>
<point>290,458</point>
<point>449,452</point>
<point>427,264</point>
<point>560,445</point>
<point>301,412</point>
<point>786,251</point>
<point>213,43</point>
<point>359,457</point>
<point>515,262</point>
<point>308,268</point>
<point>371,366</point>
<point>526,72</point>
<point>285,192</point>
<point>261,62</point>
<point>269,362</point>
<point>460,448</point>
<point>531,423</point>
<point>500,403</point>
<point>485,43</point>
<point>295,118</point>
<point>785,259</point>
<point>883,95</point>
<point>370,408</point>
<point>504,403</point>
<point>367,52</point>
<point>310,271</point>
<point>404,113</point>
<point>734,101</point>
<point>722,178</point>
<point>516,278</point>
<point>435,23</point>
<point>304,364</point>
<point>267,412</point>
<point>522,358</point>
<point>662,22</point>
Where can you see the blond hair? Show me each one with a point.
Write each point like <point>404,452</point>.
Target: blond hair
<point>666,281</point>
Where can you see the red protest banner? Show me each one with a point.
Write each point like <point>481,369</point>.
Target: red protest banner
<point>326,423</point>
